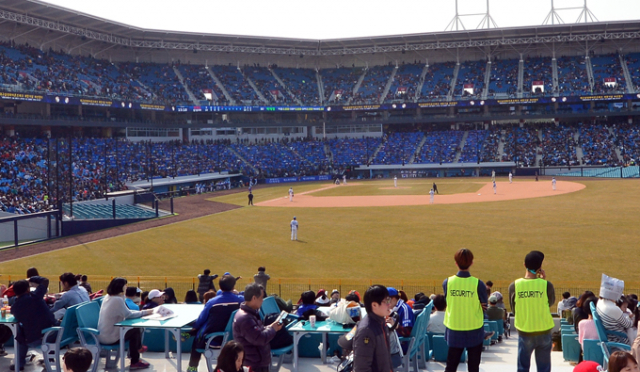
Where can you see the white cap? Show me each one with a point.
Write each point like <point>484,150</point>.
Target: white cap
<point>154,294</point>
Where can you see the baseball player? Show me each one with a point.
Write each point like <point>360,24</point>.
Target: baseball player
<point>337,181</point>
<point>344,179</point>
<point>290,194</point>
<point>553,183</point>
<point>250,196</point>
<point>294,229</point>
<point>395,181</point>
<point>494,187</point>
<point>435,188</point>
<point>431,196</point>
<point>493,175</point>
<point>510,177</point>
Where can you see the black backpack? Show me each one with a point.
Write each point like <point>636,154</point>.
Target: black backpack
<point>283,338</point>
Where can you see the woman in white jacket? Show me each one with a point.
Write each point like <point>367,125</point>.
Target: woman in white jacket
<point>114,310</point>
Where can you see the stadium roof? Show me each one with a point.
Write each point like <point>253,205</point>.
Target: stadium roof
<point>45,16</point>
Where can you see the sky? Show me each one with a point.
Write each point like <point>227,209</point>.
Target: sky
<point>335,19</point>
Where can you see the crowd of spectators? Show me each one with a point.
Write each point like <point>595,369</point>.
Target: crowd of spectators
<point>521,145</point>
<point>605,67</point>
<point>558,145</point>
<point>437,82</point>
<point>160,79</point>
<point>267,84</point>
<point>471,73</point>
<point>405,82</point>
<point>398,148</point>
<point>598,145</point>
<point>572,76</point>
<point>538,69</point>
<point>197,79</point>
<point>473,146</point>
<point>439,147</point>
<point>633,65</point>
<point>629,142</point>
<point>353,151</point>
<point>236,85</point>
<point>373,85</point>
<point>302,82</point>
<point>504,77</point>
<point>339,83</point>
<point>491,149</point>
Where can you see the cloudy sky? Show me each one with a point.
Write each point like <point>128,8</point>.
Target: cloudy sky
<point>330,19</point>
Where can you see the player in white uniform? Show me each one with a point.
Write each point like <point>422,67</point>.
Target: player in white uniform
<point>294,229</point>
<point>510,177</point>
<point>494,187</point>
<point>337,183</point>
<point>493,176</point>
<point>431,196</point>
<point>344,179</point>
<point>395,181</point>
<point>290,194</point>
<point>553,183</point>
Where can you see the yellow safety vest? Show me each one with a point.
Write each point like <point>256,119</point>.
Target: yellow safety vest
<point>464,312</point>
<point>532,306</point>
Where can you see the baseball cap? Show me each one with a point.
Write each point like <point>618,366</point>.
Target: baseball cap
<point>588,366</point>
<point>294,217</point>
<point>533,260</point>
<point>154,293</point>
<point>335,291</point>
<point>392,291</point>
<point>493,300</point>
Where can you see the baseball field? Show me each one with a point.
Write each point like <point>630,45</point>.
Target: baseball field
<point>585,227</point>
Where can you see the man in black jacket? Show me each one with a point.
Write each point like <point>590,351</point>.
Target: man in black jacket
<point>371,351</point>
<point>33,314</point>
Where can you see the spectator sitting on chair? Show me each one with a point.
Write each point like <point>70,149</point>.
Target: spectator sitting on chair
<point>405,314</point>
<point>170,296</point>
<point>500,299</point>
<point>495,313</point>
<point>132,298</point>
<point>322,299</point>
<point>191,298</point>
<point>249,330</point>
<point>568,303</point>
<point>114,310</point>
<point>73,295</point>
<point>208,296</point>
<point>77,359</point>
<point>335,297</point>
<point>587,327</point>
<point>614,318</point>
<point>436,322</point>
<point>420,302</point>
<point>30,310</point>
<point>155,298</point>
<point>308,306</point>
<point>578,313</point>
<point>214,318</point>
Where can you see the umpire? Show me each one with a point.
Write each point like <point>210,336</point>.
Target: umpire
<point>435,188</point>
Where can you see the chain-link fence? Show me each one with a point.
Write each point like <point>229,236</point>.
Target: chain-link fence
<point>292,288</point>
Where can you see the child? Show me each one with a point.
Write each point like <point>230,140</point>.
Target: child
<point>76,360</point>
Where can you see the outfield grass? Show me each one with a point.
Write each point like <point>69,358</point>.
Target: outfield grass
<point>583,234</point>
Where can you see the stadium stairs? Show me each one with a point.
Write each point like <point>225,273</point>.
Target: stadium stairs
<point>501,145</point>
<point>282,84</point>
<point>242,159</point>
<point>255,88</point>
<point>421,83</point>
<point>520,77</point>
<point>328,152</point>
<point>627,75</point>
<point>616,149</point>
<point>463,142</point>
<point>539,148</point>
<point>220,85</point>
<point>375,153</point>
<point>454,80</point>
<point>418,149</point>
<point>388,85</point>
<point>587,62</point>
<point>554,69</point>
<point>357,87</point>
<point>487,80</point>
<point>192,96</point>
<point>320,87</point>
<point>579,152</point>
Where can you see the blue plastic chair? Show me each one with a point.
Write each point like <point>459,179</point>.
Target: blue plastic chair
<point>65,335</point>
<point>570,347</point>
<point>269,306</point>
<point>487,328</point>
<point>88,315</point>
<point>98,300</point>
<point>415,348</point>
<point>210,351</point>
<point>441,349</point>
<point>592,351</point>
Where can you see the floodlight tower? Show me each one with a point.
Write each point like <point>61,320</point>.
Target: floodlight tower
<point>456,23</point>
<point>585,16</point>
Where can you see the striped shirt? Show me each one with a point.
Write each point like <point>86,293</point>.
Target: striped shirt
<point>613,319</point>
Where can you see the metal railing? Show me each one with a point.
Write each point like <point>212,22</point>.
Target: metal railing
<point>24,229</point>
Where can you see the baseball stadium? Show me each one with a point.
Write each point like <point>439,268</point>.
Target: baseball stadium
<point>181,161</point>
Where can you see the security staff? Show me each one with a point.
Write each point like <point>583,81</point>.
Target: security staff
<point>531,297</point>
<point>464,317</point>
